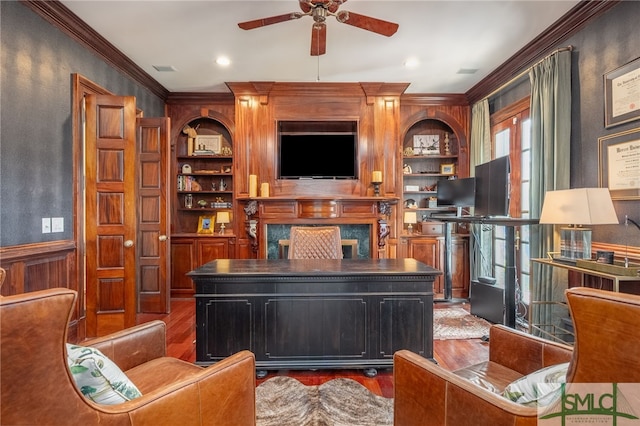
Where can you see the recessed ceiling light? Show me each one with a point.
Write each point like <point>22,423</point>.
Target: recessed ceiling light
<point>223,61</point>
<point>165,68</point>
<point>411,63</point>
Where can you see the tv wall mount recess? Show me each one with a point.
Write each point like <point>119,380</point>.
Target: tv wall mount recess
<point>317,150</point>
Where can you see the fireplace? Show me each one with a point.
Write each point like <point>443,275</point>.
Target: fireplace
<point>362,221</point>
<point>356,236</point>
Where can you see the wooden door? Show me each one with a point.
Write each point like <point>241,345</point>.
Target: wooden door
<point>152,262</point>
<point>110,218</point>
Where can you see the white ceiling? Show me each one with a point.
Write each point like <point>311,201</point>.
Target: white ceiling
<point>444,36</point>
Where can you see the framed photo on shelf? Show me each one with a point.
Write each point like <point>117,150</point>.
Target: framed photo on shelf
<point>207,145</point>
<point>426,144</point>
<point>622,94</point>
<point>447,169</point>
<point>206,224</point>
<point>619,164</point>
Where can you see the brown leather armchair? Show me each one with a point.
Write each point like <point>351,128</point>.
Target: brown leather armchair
<point>37,387</point>
<point>606,350</point>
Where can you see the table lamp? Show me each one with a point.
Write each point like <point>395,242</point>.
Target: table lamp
<point>222,218</point>
<point>577,207</point>
<point>410,218</point>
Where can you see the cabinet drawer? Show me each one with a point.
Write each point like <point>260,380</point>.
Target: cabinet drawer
<point>432,228</point>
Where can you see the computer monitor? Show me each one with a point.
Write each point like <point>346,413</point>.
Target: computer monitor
<point>456,193</point>
<point>492,188</point>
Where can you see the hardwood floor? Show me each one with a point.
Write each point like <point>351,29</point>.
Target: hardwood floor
<point>450,354</point>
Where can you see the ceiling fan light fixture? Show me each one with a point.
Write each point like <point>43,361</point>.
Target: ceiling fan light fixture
<point>319,10</point>
<point>319,14</point>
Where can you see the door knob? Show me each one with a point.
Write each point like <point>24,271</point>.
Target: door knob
<point>162,238</point>
<point>128,243</point>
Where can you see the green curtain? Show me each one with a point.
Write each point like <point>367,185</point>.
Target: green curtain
<point>550,150</point>
<point>480,152</point>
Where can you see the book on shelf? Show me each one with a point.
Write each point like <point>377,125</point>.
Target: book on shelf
<point>186,183</point>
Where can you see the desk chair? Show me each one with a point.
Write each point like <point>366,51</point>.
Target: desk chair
<point>315,242</point>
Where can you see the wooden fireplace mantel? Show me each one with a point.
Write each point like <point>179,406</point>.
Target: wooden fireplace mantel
<point>373,211</point>
<point>322,207</point>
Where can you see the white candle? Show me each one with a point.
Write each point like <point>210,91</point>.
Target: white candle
<point>253,186</point>
<point>377,176</point>
<point>264,189</point>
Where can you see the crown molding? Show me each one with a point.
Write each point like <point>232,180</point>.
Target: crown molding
<point>433,99</point>
<point>570,23</point>
<point>199,98</point>
<point>62,18</point>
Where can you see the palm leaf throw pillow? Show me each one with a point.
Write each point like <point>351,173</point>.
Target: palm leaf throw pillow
<point>98,378</point>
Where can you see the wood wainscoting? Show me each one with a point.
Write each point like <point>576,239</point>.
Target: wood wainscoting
<point>632,253</point>
<point>620,250</point>
<point>40,266</point>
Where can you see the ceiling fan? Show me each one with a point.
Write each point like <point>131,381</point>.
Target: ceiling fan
<point>319,10</point>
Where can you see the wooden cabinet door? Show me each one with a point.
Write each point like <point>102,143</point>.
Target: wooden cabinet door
<point>110,217</point>
<point>427,250</point>
<point>460,267</point>
<point>183,255</point>
<point>188,254</point>
<point>211,249</point>
<point>152,189</point>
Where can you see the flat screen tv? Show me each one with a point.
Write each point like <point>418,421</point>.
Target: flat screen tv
<point>492,188</point>
<point>456,193</point>
<point>323,155</point>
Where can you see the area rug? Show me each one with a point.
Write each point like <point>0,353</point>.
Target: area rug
<point>456,323</point>
<point>284,401</point>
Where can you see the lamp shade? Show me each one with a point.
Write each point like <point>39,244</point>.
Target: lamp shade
<point>578,206</point>
<point>222,217</point>
<point>410,217</point>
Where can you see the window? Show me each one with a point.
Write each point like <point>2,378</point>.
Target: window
<point>511,135</point>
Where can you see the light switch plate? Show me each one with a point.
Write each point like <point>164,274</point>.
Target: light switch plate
<point>46,225</point>
<point>57,224</point>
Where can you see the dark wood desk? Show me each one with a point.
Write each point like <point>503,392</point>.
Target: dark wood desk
<point>309,314</point>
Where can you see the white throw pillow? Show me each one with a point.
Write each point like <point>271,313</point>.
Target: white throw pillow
<point>98,378</point>
<point>539,388</point>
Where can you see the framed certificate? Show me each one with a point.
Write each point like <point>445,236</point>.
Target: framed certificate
<point>622,94</point>
<point>619,164</point>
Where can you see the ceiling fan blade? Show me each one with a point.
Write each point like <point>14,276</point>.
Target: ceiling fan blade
<point>368,23</point>
<point>318,39</point>
<point>250,25</point>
